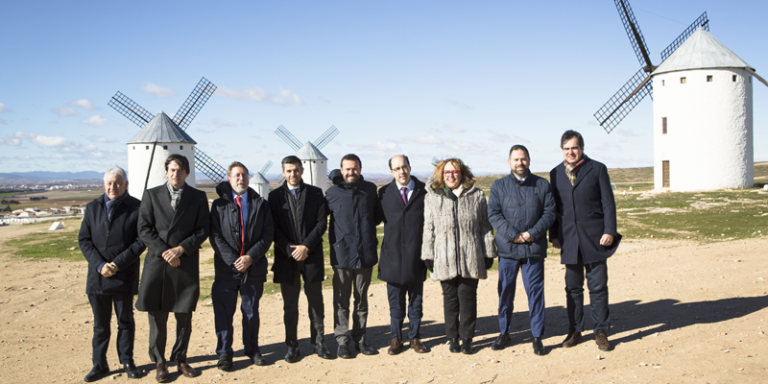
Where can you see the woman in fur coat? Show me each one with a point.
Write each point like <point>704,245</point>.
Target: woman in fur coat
<point>458,246</point>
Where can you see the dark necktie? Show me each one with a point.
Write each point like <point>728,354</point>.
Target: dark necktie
<point>242,227</point>
<point>405,195</point>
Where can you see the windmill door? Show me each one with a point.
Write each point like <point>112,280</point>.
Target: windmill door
<point>665,173</point>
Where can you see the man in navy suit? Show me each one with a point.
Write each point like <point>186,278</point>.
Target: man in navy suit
<point>585,232</point>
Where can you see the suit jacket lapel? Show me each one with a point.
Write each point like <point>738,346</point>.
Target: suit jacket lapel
<point>184,202</point>
<point>583,173</point>
<point>415,193</point>
<point>396,192</point>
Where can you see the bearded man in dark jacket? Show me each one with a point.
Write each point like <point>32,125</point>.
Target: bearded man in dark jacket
<point>109,240</point>
<point>355,212</point>
<point>241,234</point>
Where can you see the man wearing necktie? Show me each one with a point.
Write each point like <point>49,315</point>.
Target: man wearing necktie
<point>241,234</point>
<point>400,264</point>
<point>301,218</point>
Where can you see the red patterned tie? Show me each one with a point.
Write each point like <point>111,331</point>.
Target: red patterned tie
<point>242,231</point>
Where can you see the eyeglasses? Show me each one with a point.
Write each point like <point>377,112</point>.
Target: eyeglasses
<point>398,169</point>
<point>455,172</point>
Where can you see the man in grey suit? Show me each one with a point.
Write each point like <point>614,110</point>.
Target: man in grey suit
<point>173,223</point>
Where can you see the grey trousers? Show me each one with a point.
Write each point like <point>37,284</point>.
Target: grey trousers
<point>158,333</point>
<point>314,293</point>
<point>345,281</point>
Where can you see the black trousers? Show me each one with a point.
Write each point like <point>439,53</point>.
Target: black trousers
<point>316,312</point>
<point>460,307</point>
<point>102,319</point>
<point>224,297</point>
<point>597,282</point>
<point>396,294</point>
<point>158,334</point>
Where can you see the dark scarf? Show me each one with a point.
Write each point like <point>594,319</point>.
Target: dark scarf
<point>573,170</point>
<point>113,203</point>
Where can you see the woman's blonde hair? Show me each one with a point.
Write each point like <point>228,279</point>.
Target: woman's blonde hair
<point>467,178</point>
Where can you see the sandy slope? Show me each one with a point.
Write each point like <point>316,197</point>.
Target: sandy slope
<point>681,313</point>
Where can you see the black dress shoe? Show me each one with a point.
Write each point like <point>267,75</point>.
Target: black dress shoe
<point>257,359</point>
<point>466,347</point>
<point>293,353</point>
<point>538,348</point>
<point>96,373</point>
<point>322,351</point>
<point>225,362</point>
<point>131,371</point>
<point>343,352</point>
<point>366,349</point>
<point>500,343</point>
<point>453,345</point>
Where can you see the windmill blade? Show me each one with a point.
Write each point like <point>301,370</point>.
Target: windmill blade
<point>634,34</point>
<point>326,137</point>
<point>702,21</point>
<point>130,109</point>
<point>208,167</point>
<point>194,103</point>
<point>266,168</point>
<point>751,72</point>
<point>288,137</point>
<point>624,101</point>
<point>280,178</point>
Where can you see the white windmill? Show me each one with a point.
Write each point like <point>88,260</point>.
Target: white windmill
<point>259,181</point>
<point>703,100</point>
<point>313,161</point>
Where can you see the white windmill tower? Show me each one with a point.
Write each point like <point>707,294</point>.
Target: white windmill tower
<point>704,99</point>
<point>162,136</point>
<point>313,161</point>
<point>259,181</point>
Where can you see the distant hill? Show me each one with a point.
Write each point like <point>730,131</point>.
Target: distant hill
<point>48,177</point>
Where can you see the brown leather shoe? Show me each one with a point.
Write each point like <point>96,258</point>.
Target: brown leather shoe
<point>572,339</point>
<point>162,374</point>
<point>602,341</point>
<point>185,369</point>
<point>417,346</point>
<point>395,346</point>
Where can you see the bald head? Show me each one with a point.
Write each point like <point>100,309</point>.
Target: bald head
<point>400,168</point>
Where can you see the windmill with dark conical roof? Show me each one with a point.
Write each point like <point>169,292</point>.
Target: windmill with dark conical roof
<point>315,164</point>
<point>703,100</point>
<point>162,136</point>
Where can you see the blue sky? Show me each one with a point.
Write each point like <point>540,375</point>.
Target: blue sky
<point>425,78</point>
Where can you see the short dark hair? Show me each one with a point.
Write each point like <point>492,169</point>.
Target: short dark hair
<point>291,160</point>
<point>407,162</point>
<point>518,147</point>
<point>570,134</point>
<point>237,164</point>
<point>351,157</point>
<point>178,159</point>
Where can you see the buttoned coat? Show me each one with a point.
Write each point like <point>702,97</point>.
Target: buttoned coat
<point>355,212</point>
<point>115,240</point>
<point>165,288</point>
<point>400,259</point>
<point>226,235</point>
<point>584,212</point>
<point>313,224</point>
<point>515,207</point>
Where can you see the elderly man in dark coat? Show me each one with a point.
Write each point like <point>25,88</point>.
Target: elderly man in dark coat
<point>173,223</point>
<point>241,234</point>
<point>400,264</point>
<point>301,218</point>
<point>585,232</point>
<point>355,212</point>
<point>110,242</point>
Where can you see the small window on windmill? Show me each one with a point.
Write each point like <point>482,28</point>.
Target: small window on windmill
<point>662,83</point>
<point>709,78</point>
<point>682,80</point>
<point>134,147</point>
<point>181,147</point>
<point>663,125</point>
<point>165,147</point>
<point>734,78</point>
<point>147,147</point>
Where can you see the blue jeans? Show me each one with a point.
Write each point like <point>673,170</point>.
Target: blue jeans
<point>533,280</point>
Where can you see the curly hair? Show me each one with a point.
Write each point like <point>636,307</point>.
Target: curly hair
<point>467,178</point>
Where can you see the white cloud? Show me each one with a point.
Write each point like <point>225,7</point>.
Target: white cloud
<point>460,104</point>
<point>255,93</point>
<point>50,141</point>
<point>24,135</point>
<point>323,100</point>
<point>94,121</point>
<point>505,138</point>
<point>424,139</point>
<point>99,139</point>
<point>2,107</point>
<point>157,91</point>
<point>222,123</point>
<point>378,146</point>
<point>10,141</point>
<point>453,128</point>
<point>82,103</point>
<point>62,111</point>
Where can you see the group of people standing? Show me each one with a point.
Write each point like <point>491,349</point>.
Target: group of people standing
<point>444,226</point>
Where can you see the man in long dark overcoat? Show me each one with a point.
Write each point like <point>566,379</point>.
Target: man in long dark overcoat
<point>110,242</point>
<point>585,232</point>
<point>173,223</point>
<point>301,218</point>
<point>400,264</point>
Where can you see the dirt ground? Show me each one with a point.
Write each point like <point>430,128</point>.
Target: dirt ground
<point>681,313</point>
